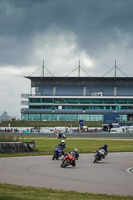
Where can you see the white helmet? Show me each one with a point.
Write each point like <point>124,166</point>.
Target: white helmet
<point>62,141</point>
<point>75,150</point>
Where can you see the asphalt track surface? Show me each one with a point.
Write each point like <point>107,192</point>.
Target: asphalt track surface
<point>108,176</point>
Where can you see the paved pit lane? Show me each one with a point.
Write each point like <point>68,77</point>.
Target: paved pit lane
<point>109,176</point>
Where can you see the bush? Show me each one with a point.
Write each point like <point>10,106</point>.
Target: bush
<point>9,138</point>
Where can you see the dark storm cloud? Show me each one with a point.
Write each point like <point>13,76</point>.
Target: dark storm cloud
<point>80,16</point>
<point>96,23</point>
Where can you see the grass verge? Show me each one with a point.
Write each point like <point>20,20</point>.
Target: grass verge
<point>12,192</point>
<point>46,146</point>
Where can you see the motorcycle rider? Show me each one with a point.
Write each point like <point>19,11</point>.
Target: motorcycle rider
<point>60,134</point>
<point>62,146</point>
<point>105,147</point>
<point>76,153</point>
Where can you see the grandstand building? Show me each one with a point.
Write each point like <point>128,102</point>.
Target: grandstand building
<point>79,98</point>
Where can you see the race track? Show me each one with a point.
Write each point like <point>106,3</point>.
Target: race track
<point>109,176</point>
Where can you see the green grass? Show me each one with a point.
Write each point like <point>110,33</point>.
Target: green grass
<point>84,146</point>
<point>46,146</point>
<point>12,192</point>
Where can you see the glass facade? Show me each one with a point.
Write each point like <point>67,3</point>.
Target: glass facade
<point>76,103</point>
<point>86,101</point>
<point>79,98</point>
<point>62,117</point>
<point>69,117</point>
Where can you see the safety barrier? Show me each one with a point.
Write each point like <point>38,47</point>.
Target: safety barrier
<point>16,147</point>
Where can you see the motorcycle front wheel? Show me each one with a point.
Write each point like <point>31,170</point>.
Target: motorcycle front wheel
<point>64,164</point>
<point>55,157</point>
<point>96,159</point>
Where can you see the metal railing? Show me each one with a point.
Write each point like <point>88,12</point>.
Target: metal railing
<point>25,96</point>
<point>24,102</point>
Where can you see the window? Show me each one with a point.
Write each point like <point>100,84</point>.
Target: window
<point>34,100</point>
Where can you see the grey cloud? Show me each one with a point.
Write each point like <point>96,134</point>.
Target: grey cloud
<point>94,22</point>
<point>80,16</point>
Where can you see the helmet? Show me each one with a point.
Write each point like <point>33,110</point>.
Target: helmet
<point>105,145</point>
<point>63,141</point>
<point>76,150</point>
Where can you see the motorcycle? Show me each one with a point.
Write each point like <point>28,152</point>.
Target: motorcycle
<point>69,159</point>
<point>61,135</point>
<point>100,154</point>
<point>58,152</point>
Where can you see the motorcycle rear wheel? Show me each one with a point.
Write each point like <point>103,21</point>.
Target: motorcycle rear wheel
<point>73,163</point>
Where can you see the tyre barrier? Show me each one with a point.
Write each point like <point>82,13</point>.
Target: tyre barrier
<point>16,147</point>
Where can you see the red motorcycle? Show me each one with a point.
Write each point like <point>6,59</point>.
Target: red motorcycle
<point>69,159</point>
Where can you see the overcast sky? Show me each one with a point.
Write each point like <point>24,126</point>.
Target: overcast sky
<point>61,32</point>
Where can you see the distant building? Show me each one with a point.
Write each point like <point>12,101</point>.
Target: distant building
<point>78,98</point>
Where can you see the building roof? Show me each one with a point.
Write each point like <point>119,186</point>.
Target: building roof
<point>35,81</point>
